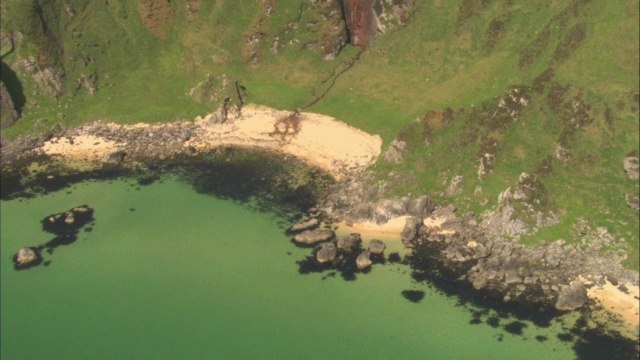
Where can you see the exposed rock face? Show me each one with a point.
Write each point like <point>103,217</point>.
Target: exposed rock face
<point>327,253</point>
<point>8,113</point>
<point>631,166</point>
<point>25,257</point>
<point>572,297</point>
<point>314,236</point>
<point>363,261</point>
<point>361,21</point>
<point>115,157</point>
<point>395,151</point>
<point>307,225</point>
<point>349,242</point>
<point>410,230</point>
<point>517,209</point>
<point>376,247</point>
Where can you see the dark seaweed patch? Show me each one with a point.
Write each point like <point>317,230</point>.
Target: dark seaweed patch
<point>515,327</point>
<point>541,338</point>
<point>415,296</point>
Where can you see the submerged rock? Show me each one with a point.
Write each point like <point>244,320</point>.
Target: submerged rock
<point>572,297</point>
<point>376,247</point>
<point>307,225</point>
<point>363,261</point>
<point>327,253</point>
<point>313,236</point>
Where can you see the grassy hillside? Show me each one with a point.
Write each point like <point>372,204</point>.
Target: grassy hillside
<point>444,83</point>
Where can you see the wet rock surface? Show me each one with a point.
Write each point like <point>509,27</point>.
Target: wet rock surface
<point>309,237</point>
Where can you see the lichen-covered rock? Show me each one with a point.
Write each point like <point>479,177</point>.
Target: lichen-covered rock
<point>376,247</point>
<point>327,253</point>
<point>314,236</point>
<point>572,296</point>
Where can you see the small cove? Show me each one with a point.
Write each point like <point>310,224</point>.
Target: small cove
<point>171,272</point>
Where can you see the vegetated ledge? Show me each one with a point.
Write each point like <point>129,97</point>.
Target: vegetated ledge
<point>319,140</point>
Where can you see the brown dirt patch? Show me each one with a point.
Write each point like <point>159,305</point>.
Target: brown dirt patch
<point>542,80</point>
<point>571,42</point>
<point>157,16</point>
<point>494,34</point>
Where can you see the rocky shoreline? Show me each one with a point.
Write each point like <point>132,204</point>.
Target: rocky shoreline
<point>554,274</point>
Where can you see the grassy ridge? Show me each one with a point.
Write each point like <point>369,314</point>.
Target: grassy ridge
<point>439,78</point>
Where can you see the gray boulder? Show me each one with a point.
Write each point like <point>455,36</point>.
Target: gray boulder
<point>314,236</point>
<point>572,297</point>
<point>307,225</point>
<point>363,261</point>
<point>327,253</point>
<point>349,242</point>
<point>376,247</point>
<point>411,227</point>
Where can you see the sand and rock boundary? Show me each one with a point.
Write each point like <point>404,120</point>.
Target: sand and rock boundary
<point>319,140</point>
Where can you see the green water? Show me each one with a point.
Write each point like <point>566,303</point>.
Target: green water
<point>167,273</point>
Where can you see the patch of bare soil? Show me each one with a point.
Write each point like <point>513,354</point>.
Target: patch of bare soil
<point>157,16</point>
<point>570,42</point>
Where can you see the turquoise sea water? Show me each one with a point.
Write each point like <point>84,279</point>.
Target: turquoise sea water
<point>168,273</point>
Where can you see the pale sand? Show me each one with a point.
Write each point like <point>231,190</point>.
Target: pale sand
<point>86,147</point>
<point>616,301</point>
<point>323,141</point>
<point>393,228</point>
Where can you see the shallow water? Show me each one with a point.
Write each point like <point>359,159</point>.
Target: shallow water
<point>166,272</point>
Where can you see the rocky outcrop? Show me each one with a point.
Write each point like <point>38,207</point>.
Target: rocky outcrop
<point>307,225</point>
<point>411,227</point>
<point>310,237</point>
<point>395,152</point>
<point>376,247</point>
<point>523,210</point>
<point>361,21</point>
<point>631,166</point>
<point>327,253</point>
<point>633,201</point>
<point>572,296</point>
<point>8,113</point>
<point>363,261</point>
<point>356,200</point>
<point>115,157</point>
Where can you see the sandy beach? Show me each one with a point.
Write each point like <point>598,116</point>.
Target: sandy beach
<point>320,140</point>
<point>624,303</point>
